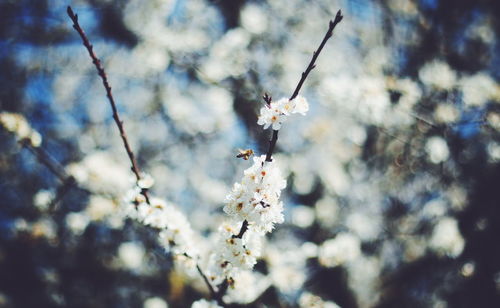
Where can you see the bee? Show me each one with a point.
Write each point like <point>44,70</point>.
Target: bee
<point>245,154</point>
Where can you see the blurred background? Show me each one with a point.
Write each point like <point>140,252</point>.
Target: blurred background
<point>392,195</point>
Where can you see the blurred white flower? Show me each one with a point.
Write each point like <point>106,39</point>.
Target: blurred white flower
<point>437,74</point>
<point>253,19</point>
<point>203,303</point>
<point>228,56</point>
<point>77,222</point>
<point>343,248</point>
<point>155,302</point>
<point>309,249</point>
<point>309,300</point>
<point>42,199</point>
<point>434,208</point>
<point>45,227</point>
<point>478,89</point>
<point>446,113</point>
<point>100,171</point>
<point>131,255</point>
<point>287,271</point>
<point>19,126</point>
<point>100,207</point>
<point>302,216</point>
<point>437,150</point>
<point>410,92</point>
<point>493,150</point>
<point>446,238</point>
<point>288,279</point>
<point>247,287</point>
<point>365,226</point>
<point>327,211</point>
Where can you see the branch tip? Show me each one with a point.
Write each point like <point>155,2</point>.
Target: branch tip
<point>339,16</point>
<point>268,99</point>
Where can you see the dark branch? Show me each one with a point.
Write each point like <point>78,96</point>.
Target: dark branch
<point>47,160</point>
<point>268,99</point>
<point>56,168</point>
<point>244,228</point>
<point>222,288</point>
<point>102,74</point>
<point>310,67</point>
<point>210,288</point>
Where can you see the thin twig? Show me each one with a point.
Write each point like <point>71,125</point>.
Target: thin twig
<point>244,228</point>
<point>221,291</point>
<point>102,74</point>
<point>68,181</point>
<point>310,67</point>
<point>47,160</point>
<point>210,288</point>
<point>268,99</point>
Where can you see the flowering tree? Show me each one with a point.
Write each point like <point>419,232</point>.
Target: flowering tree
<point>253,205</point>
<point>383,195</point>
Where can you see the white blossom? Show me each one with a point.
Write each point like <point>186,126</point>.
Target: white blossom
<point>19,126</point>
<point>275,113</point>
<point>176,234</point>
<point>256,198</point>
<point>231,253</point>
<point>146,181</point>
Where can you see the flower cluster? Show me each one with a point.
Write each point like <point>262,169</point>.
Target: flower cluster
<point>256,198</point>
<point>275,113</point>
<point>233,253</point>
<point>17,124</point>
<point>254,207</point>
<point>176,234</point>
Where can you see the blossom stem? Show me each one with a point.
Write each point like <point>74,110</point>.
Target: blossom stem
<point>209,285</point>
<point>116,117</point>
<point>68,181</point>
<point>310,67</point>
<point>244,228</point>
<point>109,94</point>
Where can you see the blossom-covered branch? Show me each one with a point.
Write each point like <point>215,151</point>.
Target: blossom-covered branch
<point>254,205</point>
<point>31,140</point>
<point>109,94</point>
<point>274,113</point>
<point>310,67</point>
<point>175,234</point>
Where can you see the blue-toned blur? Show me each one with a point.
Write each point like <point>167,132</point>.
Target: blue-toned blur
<point>382,188</point>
